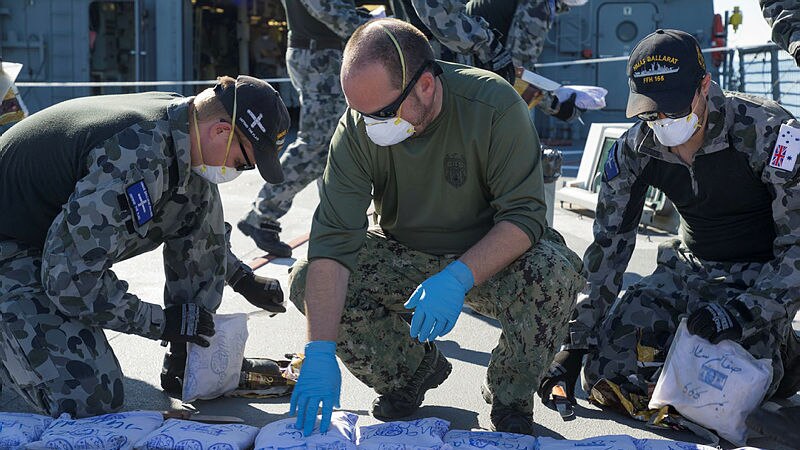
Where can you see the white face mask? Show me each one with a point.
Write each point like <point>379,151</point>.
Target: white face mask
<point>216,174</point>
<point>574,2</point>
<point>388,132</point>
<point>672,132</point>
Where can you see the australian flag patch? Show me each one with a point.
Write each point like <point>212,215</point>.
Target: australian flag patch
<point>787,149</point>
<point>139,201</point>
<point>611,169</point>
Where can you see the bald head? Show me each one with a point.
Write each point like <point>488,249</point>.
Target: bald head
<point>372,44</point>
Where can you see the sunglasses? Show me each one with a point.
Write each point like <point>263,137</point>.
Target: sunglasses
<point>248,165</point>
<point>390,111</point>
<point>651,116</point>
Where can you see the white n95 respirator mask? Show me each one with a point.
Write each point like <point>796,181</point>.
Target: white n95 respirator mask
<point>216,174</point>
<point>388,131</point>
<point>672,132</point>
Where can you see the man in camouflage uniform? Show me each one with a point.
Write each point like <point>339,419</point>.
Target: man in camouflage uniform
<point>717,156</point>
<point>489,30</point>
<point>93,181</point>
<point>317,30</point>
<point>459,197</point>
<point>784,18</point>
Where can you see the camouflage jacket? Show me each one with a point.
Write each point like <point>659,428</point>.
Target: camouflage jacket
<point>452,26</point>
<point>784,18</point>
<point>338,15</point>
<point>738,122</point>
<point>138,192</point>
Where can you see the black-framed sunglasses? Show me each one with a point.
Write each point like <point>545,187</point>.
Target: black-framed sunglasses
<point>248,165</point>
<point>390,111</point>
<point>651,116</point>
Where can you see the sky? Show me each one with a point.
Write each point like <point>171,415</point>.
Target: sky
<point>754,29</point>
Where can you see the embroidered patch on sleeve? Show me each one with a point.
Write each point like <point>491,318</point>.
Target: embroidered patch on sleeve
<point>139,200</point>
<point>611,169</point>
<point>787,147</point>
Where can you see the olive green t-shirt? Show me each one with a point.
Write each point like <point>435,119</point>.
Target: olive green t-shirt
<point>440,191</point>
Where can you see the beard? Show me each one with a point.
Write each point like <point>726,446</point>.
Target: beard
<point>426,117</point>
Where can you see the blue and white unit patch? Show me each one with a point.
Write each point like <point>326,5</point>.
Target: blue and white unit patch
<point>139,200</point>
<point>611,169</point>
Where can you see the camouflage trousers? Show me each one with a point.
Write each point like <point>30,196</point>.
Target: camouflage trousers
<point>56,363</point>
<point>635,335</point>
<point>531,298</point>
<point>315,76</point>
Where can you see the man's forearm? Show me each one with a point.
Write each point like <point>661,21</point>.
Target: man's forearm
<point>503,244</point>
<point>326,290</point>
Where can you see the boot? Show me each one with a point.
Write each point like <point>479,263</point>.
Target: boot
<point>781,425</point>
<point>266,237</point>
<point>508,418</point>
<point>433,370</point>
<point>173,369</point>
<point>790,383</point>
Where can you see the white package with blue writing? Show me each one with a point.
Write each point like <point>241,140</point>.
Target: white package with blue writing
<point>716,386</point>
<point>420,434</point>
<point>488,440</point>
<point>178,434</point>
<point>213,371</point>
<point>113,431</point>
<point>661,444</point>
<point>617,442</point>
<point>18,429</point>
<point>282,434</point>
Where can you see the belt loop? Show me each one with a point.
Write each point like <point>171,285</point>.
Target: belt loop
<point>312,44</point>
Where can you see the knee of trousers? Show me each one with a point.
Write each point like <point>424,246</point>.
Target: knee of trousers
<point>297,284</point>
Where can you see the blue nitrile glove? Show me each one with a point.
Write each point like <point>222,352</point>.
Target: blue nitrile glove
<point>438,301</point>
<point>320,381</point>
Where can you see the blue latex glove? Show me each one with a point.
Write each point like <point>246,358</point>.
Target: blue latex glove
<point>320,382</point>
<point>438,301</point>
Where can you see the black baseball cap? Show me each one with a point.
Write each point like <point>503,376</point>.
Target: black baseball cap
<point>260,114</point>
<point>664,70</point>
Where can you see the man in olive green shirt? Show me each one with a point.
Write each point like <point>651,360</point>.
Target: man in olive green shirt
<point>452,164</point>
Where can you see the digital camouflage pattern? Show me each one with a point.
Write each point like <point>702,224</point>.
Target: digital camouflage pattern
<point>56,301</point>
<point>472,35</point>
<point>315,77</point>
<point>644,319</point>
<point>532,298</point>
<point>784,18</point>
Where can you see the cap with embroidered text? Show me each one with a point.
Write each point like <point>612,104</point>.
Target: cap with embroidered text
<point>664,70</point>
<point>262,116</point>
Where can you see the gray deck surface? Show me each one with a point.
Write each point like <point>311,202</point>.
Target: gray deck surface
<point>468,346</point>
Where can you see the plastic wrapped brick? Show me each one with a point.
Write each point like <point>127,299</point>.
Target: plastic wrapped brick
<point>110,431</point>
<point>178,434</point>
<point>282,434</point>
<point>421,434</point>
<point>488,440</point>
<point>18,429</point>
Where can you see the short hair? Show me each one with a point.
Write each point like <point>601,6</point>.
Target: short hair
<point>208,105</point>
<point>371,42</point>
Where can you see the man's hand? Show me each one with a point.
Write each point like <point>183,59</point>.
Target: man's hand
<point>714,323</point>
<point>188,322</point>
<point>320,381</point>
<point>565,368</point>
<point>500,61</point>
<point>438,301</point>
<point>261,292</point>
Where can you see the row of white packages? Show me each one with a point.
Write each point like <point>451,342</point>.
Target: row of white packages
<point>146,430</point>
